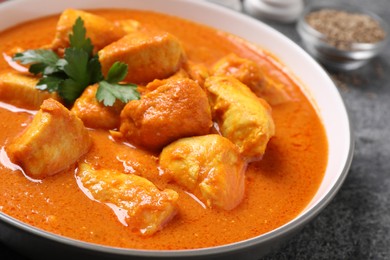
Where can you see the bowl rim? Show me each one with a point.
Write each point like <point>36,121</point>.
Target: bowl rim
<point>287,228</point>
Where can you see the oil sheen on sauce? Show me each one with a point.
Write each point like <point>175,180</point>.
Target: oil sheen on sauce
<point>277,188</point>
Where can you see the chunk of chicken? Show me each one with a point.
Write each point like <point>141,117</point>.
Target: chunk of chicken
<point>197,71</point>
<point>180,74</point>
<point>93,113</point>
<point>245,70</point>
<point>250,73</point>
<point>138,203</point>
<point>148,55</point>
<point>19,89</point>
<point>54,140</point>
<point>242,117</point>
<point>178,108</point>
<point>100,30</point>
<point>209,166</point>
<point>129,25</point>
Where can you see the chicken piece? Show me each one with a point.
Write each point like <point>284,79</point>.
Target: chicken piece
<point>245,70</point>
<point>93,113</point>
<point>197,72</point>
<point>138,203</point>
<point>275,91</point>
<point>177,109</point>
<point>19,89</point>
<point>148,55</point>
<point>129,25</point>
<point>242,117</point>
<point>250,74</point>
<point>100,30</point>
<point>180,74</point>
<point>209,166</point>
<point>54,140</point>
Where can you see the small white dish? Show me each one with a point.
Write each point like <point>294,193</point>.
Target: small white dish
<point>278,10</point>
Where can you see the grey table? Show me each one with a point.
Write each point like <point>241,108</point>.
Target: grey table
<point>356,224</point>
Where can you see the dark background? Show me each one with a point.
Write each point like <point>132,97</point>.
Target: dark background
<point>356,224</point>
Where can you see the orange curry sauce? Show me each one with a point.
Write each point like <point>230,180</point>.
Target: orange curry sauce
<point>277,188</point>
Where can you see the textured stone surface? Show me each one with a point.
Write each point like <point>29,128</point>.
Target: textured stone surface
<point>356,224</point>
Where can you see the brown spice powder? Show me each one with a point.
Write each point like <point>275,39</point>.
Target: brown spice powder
<point>342,29</point>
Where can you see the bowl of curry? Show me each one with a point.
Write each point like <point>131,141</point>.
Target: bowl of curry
<point>160,129</point>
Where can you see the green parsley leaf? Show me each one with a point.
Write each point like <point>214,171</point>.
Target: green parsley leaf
<point>117,72</point>
<point>78,38</point>
<point>37,56</point>
<point>37,68</point>
<point>109,92</point>
<point>50,83</point>
<point>104,94</point>
<point>61,64</point>
<point>70,90</point>
<point>109,89</point>
<point>95,69</point>
<point>77,65</point>
<point>43,61</point>
<point>78,69</point>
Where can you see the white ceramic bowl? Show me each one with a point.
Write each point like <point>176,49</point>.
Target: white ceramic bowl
<point>318,87</point>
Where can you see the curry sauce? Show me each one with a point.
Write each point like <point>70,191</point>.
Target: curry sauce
<point>277,187</point>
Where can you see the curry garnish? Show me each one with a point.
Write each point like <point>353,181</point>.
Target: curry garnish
<point>78,37</point>
<point>78,69</point>
<point>110,89</point>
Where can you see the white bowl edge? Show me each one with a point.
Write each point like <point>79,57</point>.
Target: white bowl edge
<point>317,85</point>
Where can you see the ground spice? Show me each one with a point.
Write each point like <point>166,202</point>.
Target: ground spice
<point>342,28</point>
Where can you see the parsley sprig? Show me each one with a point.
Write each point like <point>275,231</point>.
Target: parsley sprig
<point>79,68</point>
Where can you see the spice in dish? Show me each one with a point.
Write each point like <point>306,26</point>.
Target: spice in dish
<point>342,29</point>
